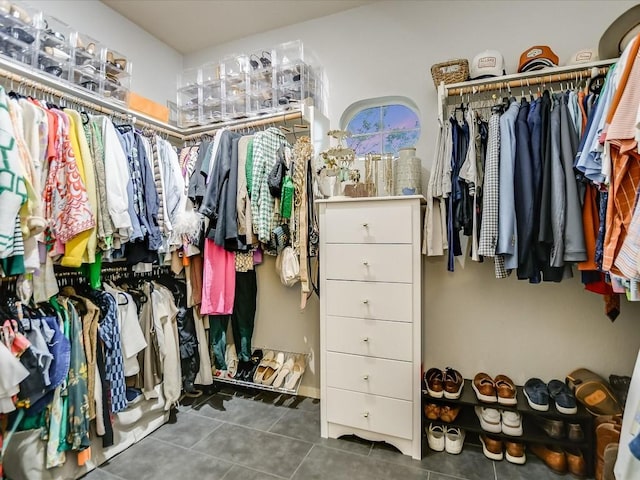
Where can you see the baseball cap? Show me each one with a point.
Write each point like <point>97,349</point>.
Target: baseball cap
<point>585,55</point>
<point>537,57</point>
<point>489,63</point>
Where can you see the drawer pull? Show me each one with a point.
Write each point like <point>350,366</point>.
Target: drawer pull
<point>365,301</point>
<point>365,377</point>
<point>365,414</point>
<point>365,225</point>
<point>365,263</point>
<point>365,339</point>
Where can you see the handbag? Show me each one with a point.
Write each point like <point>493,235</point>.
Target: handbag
<point>277,173</point>
<point>288,267</point>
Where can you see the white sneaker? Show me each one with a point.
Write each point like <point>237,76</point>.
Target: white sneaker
<point>435,437</point>
<point>489,419</point>
<point>453,440</point>
<point>511,423</point>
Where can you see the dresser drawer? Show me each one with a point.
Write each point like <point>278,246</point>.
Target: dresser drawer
<point>382,301</point>
<point>372,338</point>
<point>368,222</point>
<point>377,376</point>
<point>369,262</point>
<point>387,416</point>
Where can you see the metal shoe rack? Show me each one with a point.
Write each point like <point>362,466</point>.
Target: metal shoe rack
<point>270,388</point>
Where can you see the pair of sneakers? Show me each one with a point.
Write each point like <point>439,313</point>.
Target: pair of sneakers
<point>445,383</point>
<point>441,438</point>
<point>493,420</point>
<point>538,394</point>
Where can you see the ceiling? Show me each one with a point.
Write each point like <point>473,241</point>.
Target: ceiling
<point>190,25</point>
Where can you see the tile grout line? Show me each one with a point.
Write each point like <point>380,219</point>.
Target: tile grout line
<point>216,427</point>
<point>300,464</point>
<point>239,465</point>
<point>274,423</point>
<point>117,477</point>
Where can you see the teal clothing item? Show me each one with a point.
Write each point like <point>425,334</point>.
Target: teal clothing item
<point>248,166</point>
<point>78,395</point>
<point>218,337</point>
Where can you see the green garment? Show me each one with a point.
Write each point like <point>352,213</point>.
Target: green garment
<point>248,166</point>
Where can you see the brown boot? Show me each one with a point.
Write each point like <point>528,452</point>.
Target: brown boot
<point>610,457</point>
<point>606,433</point>
<point>552,456</point>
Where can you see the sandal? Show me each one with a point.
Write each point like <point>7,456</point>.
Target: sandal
<point>231,359</point>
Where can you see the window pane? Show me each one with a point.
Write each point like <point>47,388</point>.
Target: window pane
<point>366,121</point>
<point>399,117</point>
<point>364,144</point>
<point>394,141</point>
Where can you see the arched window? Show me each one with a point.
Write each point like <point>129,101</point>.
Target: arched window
<point>381,125</point>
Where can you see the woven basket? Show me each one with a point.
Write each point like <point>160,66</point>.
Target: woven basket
<point>452,71</point>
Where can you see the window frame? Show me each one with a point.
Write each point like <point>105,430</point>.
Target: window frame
<point>356,108</point>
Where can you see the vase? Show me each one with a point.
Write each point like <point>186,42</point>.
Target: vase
<point>408,173</point>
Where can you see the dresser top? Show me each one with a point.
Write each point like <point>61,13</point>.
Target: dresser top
<point>339,199</point>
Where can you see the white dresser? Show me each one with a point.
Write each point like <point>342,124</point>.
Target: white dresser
<point>371,320</point>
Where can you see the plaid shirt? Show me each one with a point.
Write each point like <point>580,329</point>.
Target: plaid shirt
<point>263,214</point>
<point>489,227</point>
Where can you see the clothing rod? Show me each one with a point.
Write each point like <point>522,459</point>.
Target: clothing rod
<point>21,81</point>
<point>526,82</point>
<point>284,118</point>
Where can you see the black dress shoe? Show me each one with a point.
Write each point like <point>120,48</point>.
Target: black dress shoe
<point>256,358</point>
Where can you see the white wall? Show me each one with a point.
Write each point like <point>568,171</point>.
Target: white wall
<point>472,321</point>
<point>155,64</point>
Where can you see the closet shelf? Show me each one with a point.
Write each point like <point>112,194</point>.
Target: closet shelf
<point>20,75</point>
<point>518,81</point>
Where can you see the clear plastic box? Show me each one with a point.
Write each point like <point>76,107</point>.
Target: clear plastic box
<point>235,107</point>
<point>261,83</point>
<point>116,70</point>
<point>211,114</point>
<point>18,31</point>
<point>54,51</point>
<point>188,117</point>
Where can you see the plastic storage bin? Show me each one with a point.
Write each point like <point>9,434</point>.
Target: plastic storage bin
<point>18,31</point>
<point>188,97</point>
<point>54,47</point>
<point>234,86</point>
<point>86,63</point>
<point>116,70</point>
<point>261,83</point>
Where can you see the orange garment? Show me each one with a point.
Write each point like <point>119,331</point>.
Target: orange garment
<point>631,61</point>
<point>590,225</point>
<point>581,95</point>
<point>622,120</point>
<point>625,180</point>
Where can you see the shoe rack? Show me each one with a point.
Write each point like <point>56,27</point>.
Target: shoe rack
<point>269,388</point>
<point>532,431</point>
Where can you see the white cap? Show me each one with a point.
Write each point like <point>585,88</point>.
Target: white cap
<point>585,55</point>
<point>489,63</point>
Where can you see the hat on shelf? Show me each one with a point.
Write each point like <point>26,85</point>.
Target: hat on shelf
<point>537,57</point>
<point>585,55</point>
<point>489,63</point>
<point>620,33</point>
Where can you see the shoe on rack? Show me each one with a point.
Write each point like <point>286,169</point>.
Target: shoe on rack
<point>607,433</point>
<point>231,358</point>
<point>620,386</point>
<point>449,413</point>
<point>435,437</point>
<point>535,390</point>
<point>553,428</point>
<point>263,366</point>
<point>485,388</point>
<point>552,456</point>
<point>253,365</point>
<point>511,423</point>
<point>273,369</point>
<point>563,397</point>
<point>453,383</point>
<point>284,371</point>
<point>453,440</point>
<point>434,382</point>
<point>610,457</point>
<point>432,411</point>
<point>491,447</point>
<point>575,432</point>
<point>299,366</point>
<point>489,419</point>
<point>575,462</point>
<point>514,452</point>
<point>506,390</point>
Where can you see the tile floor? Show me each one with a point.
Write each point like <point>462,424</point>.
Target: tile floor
<point>242,435</point>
